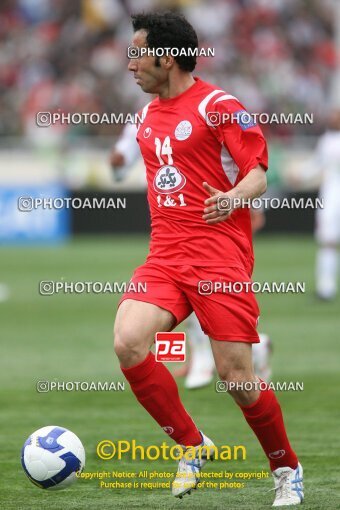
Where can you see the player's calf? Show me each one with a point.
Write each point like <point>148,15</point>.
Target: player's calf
<point>241,385</point>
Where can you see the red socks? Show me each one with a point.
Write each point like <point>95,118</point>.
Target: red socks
<point>156,390</point>
<point>265,418</point>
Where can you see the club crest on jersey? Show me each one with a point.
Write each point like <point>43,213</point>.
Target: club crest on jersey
<point>147,132</point>
<point>168,179</point>
<point>183,130</point>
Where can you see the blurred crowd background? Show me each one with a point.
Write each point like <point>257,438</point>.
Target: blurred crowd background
<point>275,55</point>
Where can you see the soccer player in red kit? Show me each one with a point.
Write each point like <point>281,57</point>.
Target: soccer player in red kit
<point>192,162</point>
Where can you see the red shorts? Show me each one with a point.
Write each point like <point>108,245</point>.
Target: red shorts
<point>223,314</point>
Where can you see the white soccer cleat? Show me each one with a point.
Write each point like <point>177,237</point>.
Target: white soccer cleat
<point>288,486</point>
<point>188,472</point>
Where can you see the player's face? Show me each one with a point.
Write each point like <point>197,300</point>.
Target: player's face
<point>150,78</point>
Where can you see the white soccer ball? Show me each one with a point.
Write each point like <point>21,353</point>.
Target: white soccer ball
<point>52,456</point>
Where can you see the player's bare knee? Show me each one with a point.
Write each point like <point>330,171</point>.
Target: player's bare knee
<point>126,343</point>
<point>241,386</point>
<point>229,373</point>
<point>236,379</point>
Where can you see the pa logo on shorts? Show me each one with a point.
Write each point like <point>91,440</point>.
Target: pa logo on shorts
<point>170,346</point>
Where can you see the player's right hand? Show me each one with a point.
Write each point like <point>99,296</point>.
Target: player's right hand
<point>212,214</point>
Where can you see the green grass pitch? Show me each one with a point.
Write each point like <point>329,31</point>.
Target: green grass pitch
<point>68,338</point>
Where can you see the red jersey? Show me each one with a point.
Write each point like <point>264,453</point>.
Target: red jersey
<point>182,148</point>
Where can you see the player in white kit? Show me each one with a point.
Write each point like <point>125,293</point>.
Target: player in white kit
<point>328,218</point>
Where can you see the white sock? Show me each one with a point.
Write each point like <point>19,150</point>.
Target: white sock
<point>326,272</point>
<point>202,365</point>
<point>199,342</point>
<point>261,357</point>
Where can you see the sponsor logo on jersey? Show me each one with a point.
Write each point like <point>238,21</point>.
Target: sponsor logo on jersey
<point>168,179</point>
<point>277,455</point>
<point>147,132</point>
<point>183,130</point>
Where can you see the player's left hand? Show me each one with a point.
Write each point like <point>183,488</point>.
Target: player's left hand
<point>213,212</point>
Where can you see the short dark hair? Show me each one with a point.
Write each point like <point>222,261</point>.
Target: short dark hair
<point>168,30</point>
